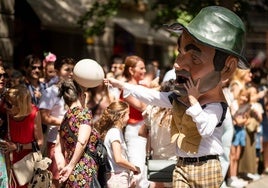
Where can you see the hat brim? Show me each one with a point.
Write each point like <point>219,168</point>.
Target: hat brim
<point>178,28</point>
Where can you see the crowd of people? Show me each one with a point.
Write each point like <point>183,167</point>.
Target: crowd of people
<point>137,113</point>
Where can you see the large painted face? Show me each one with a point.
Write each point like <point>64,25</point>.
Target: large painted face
<point>195,61</point>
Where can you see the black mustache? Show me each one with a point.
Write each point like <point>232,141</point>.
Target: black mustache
<point>182,76</point>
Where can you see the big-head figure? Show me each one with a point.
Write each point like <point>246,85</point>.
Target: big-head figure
<point>210,49</point>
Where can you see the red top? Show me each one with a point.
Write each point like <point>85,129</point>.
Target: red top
<point>22,132</point>
<point>135,115</point>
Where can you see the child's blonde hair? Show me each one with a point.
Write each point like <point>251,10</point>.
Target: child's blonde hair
<point>111,116</point>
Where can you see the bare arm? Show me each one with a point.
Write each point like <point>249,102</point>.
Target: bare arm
<point>48,119</point>
<point>235,89</point>
<point>59,153</point>
<point>38,133</point>
<point>116,147</point>
<point>134,102</point>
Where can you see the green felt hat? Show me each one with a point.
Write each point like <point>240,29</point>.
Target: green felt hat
<point>217,27</point>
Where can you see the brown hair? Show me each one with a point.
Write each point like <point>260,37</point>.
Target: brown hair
<point>62,61</point>
<point>31,60</point>
<point>69,90</point>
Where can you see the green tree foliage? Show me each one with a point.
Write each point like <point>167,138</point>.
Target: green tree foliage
<point>94,20</point>
<point>163,11</point>
<point>184,10</point>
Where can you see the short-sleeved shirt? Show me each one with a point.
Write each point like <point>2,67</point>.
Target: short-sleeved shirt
<point>52,102</point>
<point>115,134</point>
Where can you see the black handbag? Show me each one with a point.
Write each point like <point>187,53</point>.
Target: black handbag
<point>158,170</point>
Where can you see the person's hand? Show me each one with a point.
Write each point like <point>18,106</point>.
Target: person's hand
<point>192,90</point>
<point>60,162</point>
<point>37,93</point>
<point>137,170</point>
<point>112,82</point>
<point>65,173</point>
<point>155,84</point>
<point>6,146</point>
<point>3,146</point>
<point>240,120</point>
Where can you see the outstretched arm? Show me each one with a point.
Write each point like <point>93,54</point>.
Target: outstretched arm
<point>144,94</point>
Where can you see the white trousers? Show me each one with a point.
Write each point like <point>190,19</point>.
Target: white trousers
<point>136,147</point>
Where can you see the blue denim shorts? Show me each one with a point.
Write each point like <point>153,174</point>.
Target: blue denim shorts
<point>239,138</point>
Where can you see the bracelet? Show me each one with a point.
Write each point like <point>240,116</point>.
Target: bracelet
<point>19,147</point>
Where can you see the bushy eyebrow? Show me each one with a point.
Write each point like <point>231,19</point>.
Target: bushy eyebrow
<point>189,46</point>
<point>192,47</point>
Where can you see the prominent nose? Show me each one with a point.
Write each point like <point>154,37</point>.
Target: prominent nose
<point>182,61</point>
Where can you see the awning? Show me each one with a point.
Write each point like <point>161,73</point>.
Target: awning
<point>62,15</point>
<point>59,14</point>
<point>144,32</point>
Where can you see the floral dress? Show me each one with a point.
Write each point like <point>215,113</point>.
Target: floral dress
<point>86,167</point>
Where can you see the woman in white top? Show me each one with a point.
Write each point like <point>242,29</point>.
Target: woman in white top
<point>110,125</point>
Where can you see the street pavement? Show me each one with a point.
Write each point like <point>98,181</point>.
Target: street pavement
<point>261,183</point>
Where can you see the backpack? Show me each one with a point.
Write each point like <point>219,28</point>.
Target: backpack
<point>100,155</point>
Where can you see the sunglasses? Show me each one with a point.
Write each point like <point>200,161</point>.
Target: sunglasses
<point>36,67</point>
<point>4,75</point>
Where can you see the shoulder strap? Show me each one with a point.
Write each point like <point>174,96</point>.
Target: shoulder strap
<point>224,110</point>
<point>71,133</point>
<point>171,97</point>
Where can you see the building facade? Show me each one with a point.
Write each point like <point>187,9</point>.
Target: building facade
<point>38,26</point>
